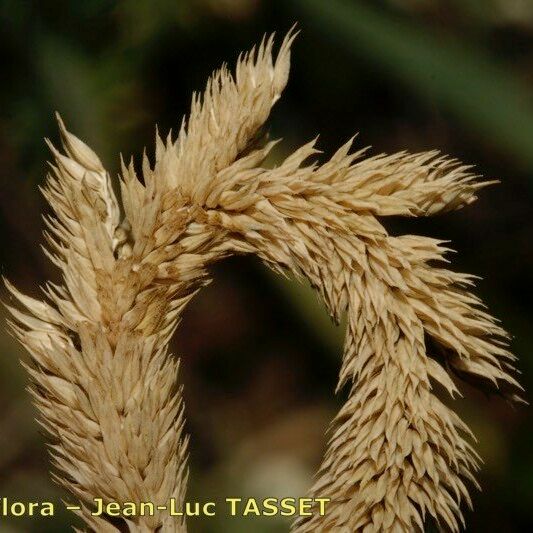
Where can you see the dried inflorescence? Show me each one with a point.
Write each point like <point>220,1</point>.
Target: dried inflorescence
<point>105,384</point>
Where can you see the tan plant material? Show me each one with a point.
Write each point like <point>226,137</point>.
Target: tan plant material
<point>105,384</point>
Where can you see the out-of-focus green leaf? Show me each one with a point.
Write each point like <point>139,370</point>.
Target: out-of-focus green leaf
<point>305,301</point>
<point>483,96</point>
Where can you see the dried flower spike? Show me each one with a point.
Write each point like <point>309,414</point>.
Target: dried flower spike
<point>102,378</point>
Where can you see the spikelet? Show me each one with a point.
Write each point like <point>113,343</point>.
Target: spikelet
<point>105,385</point>
<point>102,379</point>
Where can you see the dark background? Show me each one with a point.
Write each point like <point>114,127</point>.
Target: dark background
<point>260,357</point>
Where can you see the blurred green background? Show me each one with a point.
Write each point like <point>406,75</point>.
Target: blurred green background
<point>260,356</point>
